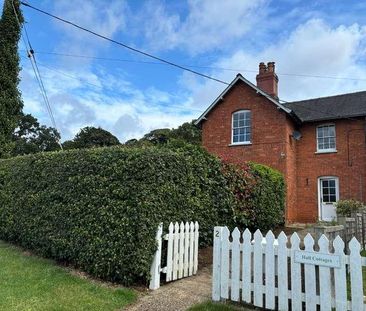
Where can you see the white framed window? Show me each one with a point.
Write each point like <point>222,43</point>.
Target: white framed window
<point>326,138</point>
<point>241,127</point>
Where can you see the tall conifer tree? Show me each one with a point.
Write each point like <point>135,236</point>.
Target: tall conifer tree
<point>11,103</point>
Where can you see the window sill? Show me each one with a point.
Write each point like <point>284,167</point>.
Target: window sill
<point>240,144</point>
<point>326,151</point>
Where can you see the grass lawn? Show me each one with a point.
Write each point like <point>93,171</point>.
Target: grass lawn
<point>212,306</point>
<point>32,283</point>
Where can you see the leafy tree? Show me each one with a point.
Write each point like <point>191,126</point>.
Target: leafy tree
<point>90,137</point>
<point>188,132</point>
<point>31,137</point>
<point>158,136</point>
<point>68,144</point>
<point>10,98</point>
<point>131,142</point>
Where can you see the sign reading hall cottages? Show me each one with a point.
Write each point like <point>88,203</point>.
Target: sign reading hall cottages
<point>319,259</point>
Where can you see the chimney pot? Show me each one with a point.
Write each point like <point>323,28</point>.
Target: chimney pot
<point>267,79</point>
<point>271,67</point>
<point>262,68</point>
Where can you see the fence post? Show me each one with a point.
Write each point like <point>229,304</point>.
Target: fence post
<point>356,275</point>
<point>155,267</point>
<point>216,269</point>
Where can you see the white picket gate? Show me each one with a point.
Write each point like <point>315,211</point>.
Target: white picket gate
<point>182,253</point>
<point>267,273</point>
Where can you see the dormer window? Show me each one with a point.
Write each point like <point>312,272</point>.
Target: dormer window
<point>326,138</point>
<point>241,127</point>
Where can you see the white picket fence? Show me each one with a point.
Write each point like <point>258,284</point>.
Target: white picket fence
<point>182,253</point>
<point>267,273</point>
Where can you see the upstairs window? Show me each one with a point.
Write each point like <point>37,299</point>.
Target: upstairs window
<point>241,127</point>
<point>326,138</point>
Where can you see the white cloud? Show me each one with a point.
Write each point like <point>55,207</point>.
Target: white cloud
<point>108,99</point>
<point>314,48</point>
<point>127,111</point>
<point>210,24</point>
<point>104,19</point>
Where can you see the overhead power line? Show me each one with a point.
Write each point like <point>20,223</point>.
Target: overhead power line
<point>36,71</point>
<point>163,61</point>
<point>328,114</point>
<point>196,66</point>
<point>179,107</point>
<point>125,45</point>
<point>99,86</point>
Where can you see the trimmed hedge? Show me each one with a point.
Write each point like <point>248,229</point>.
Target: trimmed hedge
<point>260,195</point>
<point>268,198</point>
<point>99,209</point>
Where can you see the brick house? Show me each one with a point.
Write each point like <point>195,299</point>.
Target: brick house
<point>318,144</point>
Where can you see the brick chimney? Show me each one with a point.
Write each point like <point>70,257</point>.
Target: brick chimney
<point>267,79</point>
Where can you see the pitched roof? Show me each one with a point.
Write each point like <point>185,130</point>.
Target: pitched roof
<point>330,108</point>
<point>258,90</point>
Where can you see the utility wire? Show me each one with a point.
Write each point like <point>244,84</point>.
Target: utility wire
<point>36,71</point>
<point>174,106</point>
<point>29,55</point>
<point>99,86</point>
<point>328,114</point>
<point>32,56</point>
<point>197,66</point>
<point>161,60</point>
<point>125,45</point>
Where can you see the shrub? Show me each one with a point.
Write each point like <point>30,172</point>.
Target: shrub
<point>346,207</point>
<point>99,208</point>
<point>259,195</point>
<point>269,196</point>
<point>241,183</point>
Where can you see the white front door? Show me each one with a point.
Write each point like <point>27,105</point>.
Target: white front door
<point>328,195</point>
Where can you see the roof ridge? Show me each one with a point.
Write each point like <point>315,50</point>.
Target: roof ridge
<point>323,97</point>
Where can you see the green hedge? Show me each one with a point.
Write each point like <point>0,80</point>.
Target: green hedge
<point>268,196</point>
<point>260,195</point>
<point>99,209</point>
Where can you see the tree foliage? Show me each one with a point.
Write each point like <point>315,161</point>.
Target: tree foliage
<point>31,137</point>
<point>185,133</point>
<point>90,137</point>
<point>10,98</point>
<point>158,136</point>
<point>188,132</point>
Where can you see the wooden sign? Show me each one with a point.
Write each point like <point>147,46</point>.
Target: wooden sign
<point>318,259</point>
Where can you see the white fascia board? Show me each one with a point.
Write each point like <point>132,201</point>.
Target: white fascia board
<point>221,96</point>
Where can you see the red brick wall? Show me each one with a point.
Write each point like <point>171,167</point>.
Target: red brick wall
<point>349,169</point>
<point>273,145</point>
<point>291,172</point>
<point>270,135</point>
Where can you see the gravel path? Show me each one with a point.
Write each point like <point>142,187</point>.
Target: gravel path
<point>177,295</point>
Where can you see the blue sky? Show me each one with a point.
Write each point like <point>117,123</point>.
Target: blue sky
<point>130,96</point>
